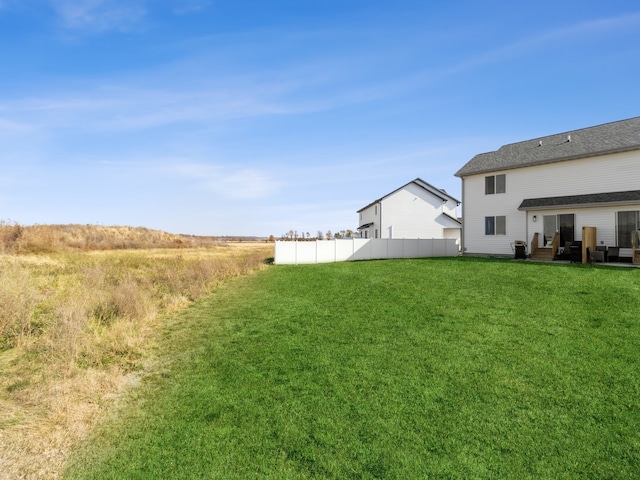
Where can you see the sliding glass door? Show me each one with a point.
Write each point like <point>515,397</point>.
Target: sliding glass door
<point>563,223</point>
<point>627,223</point>
<point>567,227</point>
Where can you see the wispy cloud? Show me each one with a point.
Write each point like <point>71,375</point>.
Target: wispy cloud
<point>184,7</point>
<point>224,181</point>
<point>11,127</point>
<point>99,15</point>
<point>130,108</point>
<point>128,104</point>
<point>551,38</point>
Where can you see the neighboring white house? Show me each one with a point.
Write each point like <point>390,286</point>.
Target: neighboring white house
<point>559,183</point>
<point>415,210</point>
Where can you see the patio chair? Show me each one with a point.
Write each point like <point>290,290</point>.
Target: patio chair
<point>605,249</point>
<point>595,255</point>
<point>614,254</point>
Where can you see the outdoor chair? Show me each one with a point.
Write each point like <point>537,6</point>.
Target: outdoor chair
<point>614,254</point>
<point>595,255</point>
<point>605,249</point>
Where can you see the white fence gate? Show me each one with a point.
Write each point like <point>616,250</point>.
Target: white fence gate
<point>325,251</point>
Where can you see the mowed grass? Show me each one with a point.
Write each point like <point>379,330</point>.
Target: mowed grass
<point>433,368</point>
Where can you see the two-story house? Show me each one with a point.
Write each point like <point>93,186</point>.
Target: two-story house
<point>415,210</point>
<point>547,189</point>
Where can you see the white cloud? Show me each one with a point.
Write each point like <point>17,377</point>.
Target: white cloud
<point>98,15</point>
<point>131,108</point>
<point>246,184</point>
<point>11,127</point>
<point>185,7</point>
<point>224,181</point>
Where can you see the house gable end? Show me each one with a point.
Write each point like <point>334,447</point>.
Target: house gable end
<point>438,193</point>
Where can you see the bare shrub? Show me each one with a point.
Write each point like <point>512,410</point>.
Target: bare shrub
<point>18,299</point>
<point>129,299</point>
<point>10,236</point>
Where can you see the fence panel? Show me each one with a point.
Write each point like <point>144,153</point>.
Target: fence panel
<point>323,251</point>
<point>361,249</point>
<point>326,252</point>
<point>344,250</point>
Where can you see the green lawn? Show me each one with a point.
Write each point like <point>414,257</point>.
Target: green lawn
<point>433,368</point>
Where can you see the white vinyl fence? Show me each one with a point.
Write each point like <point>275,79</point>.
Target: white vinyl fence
<point>325,251</point>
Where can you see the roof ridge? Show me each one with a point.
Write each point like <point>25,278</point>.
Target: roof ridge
<point>611,137</point>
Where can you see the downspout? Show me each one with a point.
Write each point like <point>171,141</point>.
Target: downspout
<point>462,247</point>
<point>526,230</point>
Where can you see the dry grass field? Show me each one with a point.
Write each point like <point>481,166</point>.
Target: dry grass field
<point>79,306</point>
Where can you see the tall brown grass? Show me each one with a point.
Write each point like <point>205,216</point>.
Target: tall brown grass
<point>77,326</point>
<point>16,238</point>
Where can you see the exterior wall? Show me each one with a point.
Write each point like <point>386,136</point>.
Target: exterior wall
<point>370,215</point>
<point>411,213</point>
<point>608,173</point>
<point>603,218</point>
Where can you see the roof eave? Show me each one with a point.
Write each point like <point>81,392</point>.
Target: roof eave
<point>580,205</point>
<point>458,222</point>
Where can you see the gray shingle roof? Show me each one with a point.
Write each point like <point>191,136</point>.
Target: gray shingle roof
<point>620,136</point>
<point>611,198</point>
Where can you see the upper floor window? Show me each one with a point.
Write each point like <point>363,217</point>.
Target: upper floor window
<point>495,184</point>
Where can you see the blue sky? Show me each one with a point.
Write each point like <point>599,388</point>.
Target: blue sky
<point>219,117</point>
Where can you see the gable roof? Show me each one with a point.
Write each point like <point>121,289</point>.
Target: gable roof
<point>439,193</point>
<point>590,200</point>
<point>451,222</point>
<point>620,136</point>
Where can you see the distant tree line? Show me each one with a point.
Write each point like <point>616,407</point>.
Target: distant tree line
<point>295,236</point>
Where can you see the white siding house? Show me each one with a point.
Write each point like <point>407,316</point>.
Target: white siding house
<point>415,210</point>
<point>559,183</point>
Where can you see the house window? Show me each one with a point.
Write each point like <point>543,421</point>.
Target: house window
<point>627,223</point>
<point>375,210</point>
<point>495,225</point>
<point>489,185</point>
<point>495,184</point>
<point>376,233</point>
